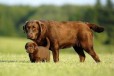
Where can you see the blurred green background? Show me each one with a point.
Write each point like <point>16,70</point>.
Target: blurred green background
<point>13,17</point>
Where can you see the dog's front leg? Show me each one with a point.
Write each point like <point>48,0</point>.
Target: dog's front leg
<point>55,55</point>
<point>55,51</point>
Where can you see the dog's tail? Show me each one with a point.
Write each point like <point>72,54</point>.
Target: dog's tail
<point>95,28</point>
<point>48,43</point>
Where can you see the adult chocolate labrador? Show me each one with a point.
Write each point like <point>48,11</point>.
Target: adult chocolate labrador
<point>63,35</point>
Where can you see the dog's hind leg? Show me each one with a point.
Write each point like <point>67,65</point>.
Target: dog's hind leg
<point>87,44</point>
<point>80,52</point>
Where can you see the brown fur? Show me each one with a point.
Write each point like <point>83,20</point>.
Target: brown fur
<point>64,34</point>
<point>38,53</point>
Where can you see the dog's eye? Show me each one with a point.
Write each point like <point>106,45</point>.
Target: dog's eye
<point>33,27</point>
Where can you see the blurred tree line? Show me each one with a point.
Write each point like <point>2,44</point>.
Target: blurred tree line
<point>12,18</point>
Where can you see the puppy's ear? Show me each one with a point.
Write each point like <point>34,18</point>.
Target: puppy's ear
<point>24,26</point>
<point>35,46</point>
<point>42,29</point>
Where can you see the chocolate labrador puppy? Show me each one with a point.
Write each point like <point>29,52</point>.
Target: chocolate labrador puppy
<point>64,34</point>
<point>38,53</point>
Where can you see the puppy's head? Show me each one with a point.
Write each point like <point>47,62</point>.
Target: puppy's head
<point>34,29</point>
<point>30,47</point>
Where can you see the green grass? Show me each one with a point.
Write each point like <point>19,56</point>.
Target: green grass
<point>12,45</point>
<point>69,65</point>
<point>14,61</point>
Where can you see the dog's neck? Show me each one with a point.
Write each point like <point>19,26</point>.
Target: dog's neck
<point>41,43</point>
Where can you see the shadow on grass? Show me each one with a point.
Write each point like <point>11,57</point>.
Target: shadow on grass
<point>14,61</point>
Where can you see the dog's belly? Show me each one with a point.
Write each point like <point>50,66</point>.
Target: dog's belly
<point>66,43</point>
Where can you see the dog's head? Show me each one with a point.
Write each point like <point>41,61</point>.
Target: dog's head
<point>31,47</point>
<point>34,29</point>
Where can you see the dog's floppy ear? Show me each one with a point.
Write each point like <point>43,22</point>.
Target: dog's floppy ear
<point>42,29</point>
<point>35,46</point>
<point>24,26</point>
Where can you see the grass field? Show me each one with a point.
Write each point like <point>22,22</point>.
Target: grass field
<point>14,61</point>
<point>69,65</point>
